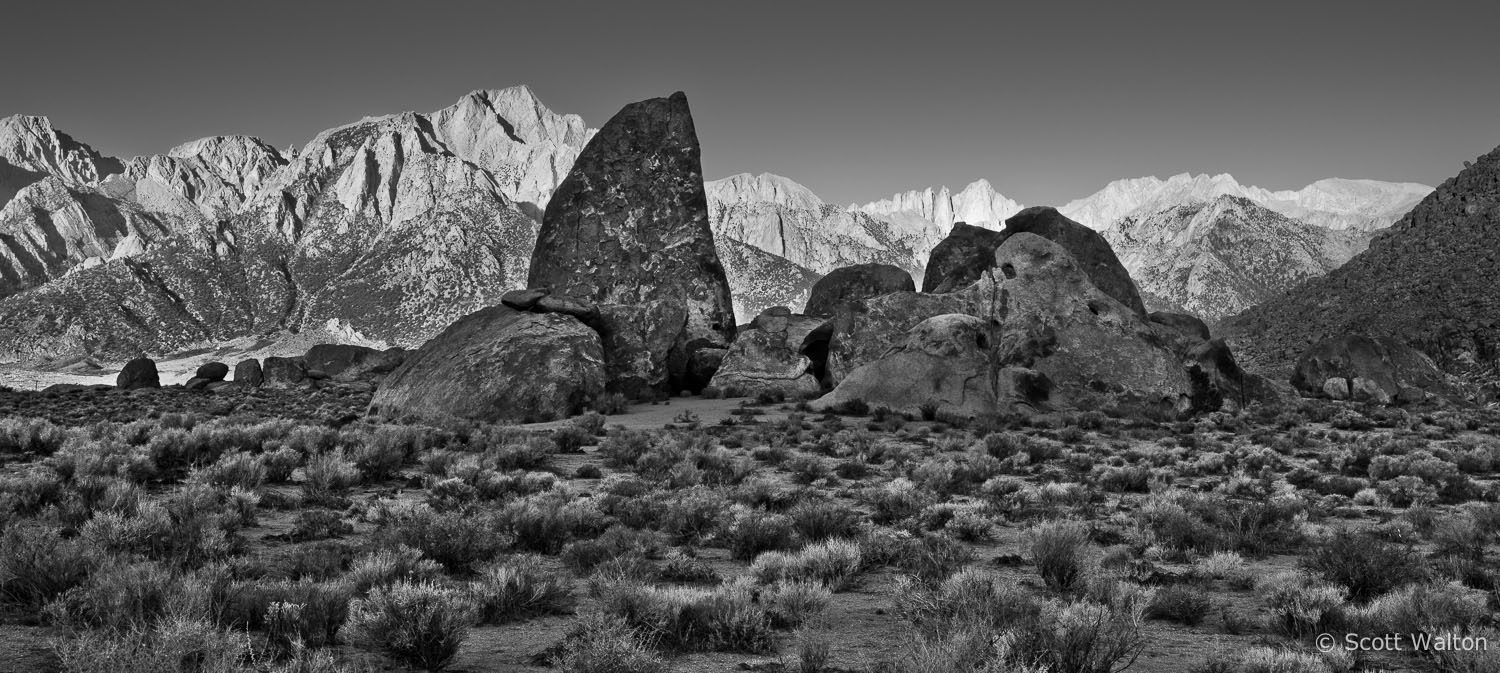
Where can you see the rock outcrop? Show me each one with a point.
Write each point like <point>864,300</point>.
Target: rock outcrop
<point>776,354</point>
<point>498,365</point>
<point>861,281</point>
<point>1092,251</point>
<point>1378,369</point>
<point>946,361</point>
<point>630,225</point>
<point>959,260</point>
<point>348,362</point>
<point>863,330</point>
<point>1187,325</point>
<point>249,373</point>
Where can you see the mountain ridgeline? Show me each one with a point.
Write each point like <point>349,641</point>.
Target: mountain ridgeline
<point>385,230</point>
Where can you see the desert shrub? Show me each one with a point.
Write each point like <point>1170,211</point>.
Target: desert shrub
<point>37,564</point>
<point>969,598</point>
<point>617,541</point>
<point>602,644</point>
<point>1421,608</point>
<point>621,448</point>
<point>544,522</point>
<point>932,557</point>
<point>30,435</point>
<point>330,473</point>
<point>1364,564</point>
<point>456,541</point>
<point>756,531</point>
<point>1228,566</point>
<point>421,624</point>
<point>833,563</point>
<point>188,529</point>
<point>384,567</point>
<point>1131,479</point>
<point>817,520</point>
<point>1083,637</point>
<point>1301,605</point>
<point>1469,659</point>
<point>1060,551</point>
<point>1270,660</point>
<point>571,438</point>
<point>792,603</point>
<point>118,597</point>
<point>323,608</point>
<point>178,645</point>
<point>376,460</point>
<point>530,454</point>
<point>519,588</point>
<point>725,619</point>
<point>1180,603</point>
<point>683,567</point>
<point>896,501</point>
<point>234,469</point>
<point>280,464</point>
<point>318,524</point>
<point>692,513</point>
<point>807,469</point>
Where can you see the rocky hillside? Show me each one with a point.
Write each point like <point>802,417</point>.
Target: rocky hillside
<point>784,218</point>
<point>1363,205</point>
<point>1429,280</point>
<point>1217,258</point>
<point>387,229</point>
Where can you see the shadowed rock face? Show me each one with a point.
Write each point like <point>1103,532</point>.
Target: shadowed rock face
<point>775,353</point>
<point>1388,364</point>
<point>630,225</point>
<point>960,259</point>
<point>498,364</point>
<point>860,281</point>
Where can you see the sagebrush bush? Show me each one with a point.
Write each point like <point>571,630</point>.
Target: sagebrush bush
<point>832,563</point>
<point>117,597</point>
<point>330,473</point>
<point>323,608</point>
<point>897,500</point>
<point>545,522</point>
<point>571,438</point>
<point>421,624</point>
<point>971,598</point>
<point>1364,564</point>
<point>817,520</point>
<point>384,567</point>
<point>617,541</point>
<point>178,645</point>
<point>1181,603</point>
<point>602,644</point>
<point>1302,606</point>
<point>622,448</point>
<point>792,603</point>
<point>1421,608</point>
<point>756,531</point>
<point>725,619</point>
<point>930,557</point>
<point>456,541</point>
<point>37,564</point>
<point>1060,550</point>
<point>520,587</point>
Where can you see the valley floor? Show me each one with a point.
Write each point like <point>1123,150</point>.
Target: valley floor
<point>143,529</point>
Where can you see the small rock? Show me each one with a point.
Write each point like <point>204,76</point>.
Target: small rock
<point>1336,388</point>
<point>213,371</point>
<point>249,373</point>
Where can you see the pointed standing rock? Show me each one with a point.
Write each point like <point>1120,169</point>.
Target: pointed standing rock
<point>630,225</point>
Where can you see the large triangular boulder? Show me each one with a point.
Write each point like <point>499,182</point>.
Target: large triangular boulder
<point>630,225</point>
<point>860,281</point>
<point>498,365</point>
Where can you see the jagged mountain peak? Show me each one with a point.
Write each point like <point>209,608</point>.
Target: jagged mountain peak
<point>31,143</point>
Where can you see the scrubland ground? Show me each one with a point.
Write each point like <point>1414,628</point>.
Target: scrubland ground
<point>283,531</point>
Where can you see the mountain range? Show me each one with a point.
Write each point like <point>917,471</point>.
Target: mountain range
<point>386,229</point>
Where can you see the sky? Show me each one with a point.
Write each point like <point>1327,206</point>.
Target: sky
<point>1048,101</point>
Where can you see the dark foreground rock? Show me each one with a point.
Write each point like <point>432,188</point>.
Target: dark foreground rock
<point>138,373</point>
<point>629,225</point>
<point>861,281</point>
<point>959,260</point>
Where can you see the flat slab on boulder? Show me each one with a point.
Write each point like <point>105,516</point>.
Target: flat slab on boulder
<point>498,365</point>
<point>860,281</point>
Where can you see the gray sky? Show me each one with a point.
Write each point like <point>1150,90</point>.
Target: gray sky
<point>854,100</point>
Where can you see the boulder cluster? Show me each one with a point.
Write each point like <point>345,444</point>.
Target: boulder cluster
<point>344,363</point>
